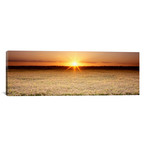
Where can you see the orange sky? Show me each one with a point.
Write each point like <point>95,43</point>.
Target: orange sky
<point>65,58</point>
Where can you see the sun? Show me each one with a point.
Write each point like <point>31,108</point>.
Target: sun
<point>74,64</point>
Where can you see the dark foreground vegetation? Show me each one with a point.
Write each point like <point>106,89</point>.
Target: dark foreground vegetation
<point>81,67</point>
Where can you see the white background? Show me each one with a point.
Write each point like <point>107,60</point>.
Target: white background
<point>74,122</point>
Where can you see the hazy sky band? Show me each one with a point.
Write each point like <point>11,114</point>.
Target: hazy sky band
<point>64,58</point>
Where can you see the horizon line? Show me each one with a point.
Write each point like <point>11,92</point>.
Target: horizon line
<point>68,66</point>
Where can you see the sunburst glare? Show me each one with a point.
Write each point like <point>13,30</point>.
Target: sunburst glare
<point>74,65</point>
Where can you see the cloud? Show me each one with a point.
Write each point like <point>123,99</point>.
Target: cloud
<point>32,61</point>
<point>106,62</point>
<point>95,62</point>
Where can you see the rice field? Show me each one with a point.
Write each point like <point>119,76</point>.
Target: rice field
<point>54,82</point>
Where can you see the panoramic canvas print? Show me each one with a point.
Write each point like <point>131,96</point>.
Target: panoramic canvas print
<point>62,73</point>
